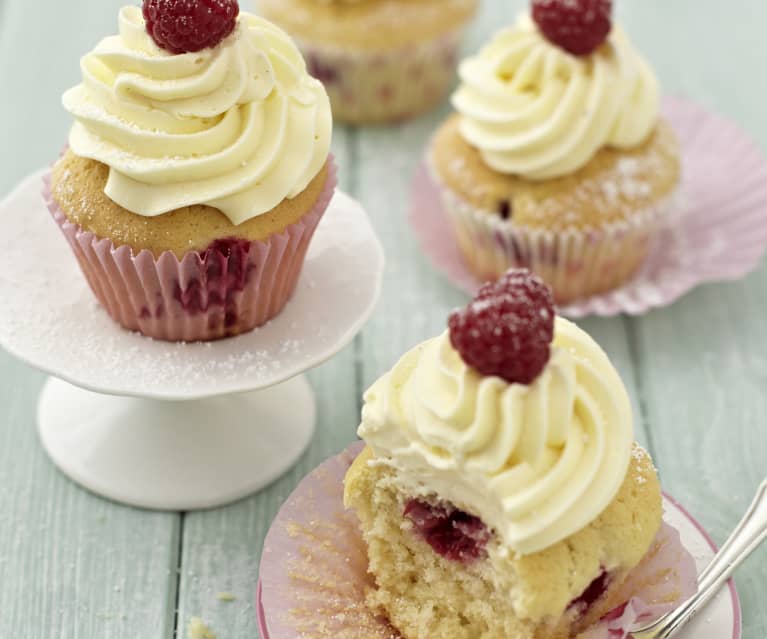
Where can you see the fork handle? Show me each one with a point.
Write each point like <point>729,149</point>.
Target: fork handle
<point>749,533</point>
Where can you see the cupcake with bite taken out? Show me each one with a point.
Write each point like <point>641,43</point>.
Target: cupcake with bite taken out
<point>380,60</point>
<point>557,158</point>
<point>501,493</point>
<point>197,169</point>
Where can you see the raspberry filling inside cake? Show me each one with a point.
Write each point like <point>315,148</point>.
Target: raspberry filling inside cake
<point>451,533</point>
<point>593,593</point>
<point>459,536</point>
<point>227,270</point>
<point>501,494</point>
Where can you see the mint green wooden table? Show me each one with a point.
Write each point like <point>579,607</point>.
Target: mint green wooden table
<point>77,567</point>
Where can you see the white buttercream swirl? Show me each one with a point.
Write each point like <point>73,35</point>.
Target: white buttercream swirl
<point>536,463</point>
<point>534,110</point>
<point>239,127</point>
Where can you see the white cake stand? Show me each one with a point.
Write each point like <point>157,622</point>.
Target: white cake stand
<point>176,426</point>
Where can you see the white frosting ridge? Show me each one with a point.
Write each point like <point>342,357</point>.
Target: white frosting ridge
<point>535,110</point>
<point>239,127</point>
<point>536,463</point>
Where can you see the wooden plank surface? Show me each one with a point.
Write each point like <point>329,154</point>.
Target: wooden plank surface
<point>221,548</point>
<point>703,372</point>
<point>72,564</point>
<point>702,364</point>
<point>76,566</point>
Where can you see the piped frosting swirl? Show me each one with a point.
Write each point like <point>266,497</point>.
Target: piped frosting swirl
<point>536,463</point>
<point>239,127</point>
<point>536,111</point>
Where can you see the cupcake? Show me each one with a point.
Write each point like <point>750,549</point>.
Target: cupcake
<point>501,493</point>
<point>380,60</point>
<point>197,169</point>
<point>557,158</point>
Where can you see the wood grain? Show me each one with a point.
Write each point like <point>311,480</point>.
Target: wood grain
<point>75,566</point>
<point>40,46</point>
<point>701,364</point>
<point>72,564</point>
<point>702,368</point>
<point>221,548</point>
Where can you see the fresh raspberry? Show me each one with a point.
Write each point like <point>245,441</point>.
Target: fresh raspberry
<point>507,329</point>
<point>578,26</point>
<point>520,279</point>
<point>186,26</point>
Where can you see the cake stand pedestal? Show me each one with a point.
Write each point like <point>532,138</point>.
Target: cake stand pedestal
<point>176,426</point>
<point>175,455</point>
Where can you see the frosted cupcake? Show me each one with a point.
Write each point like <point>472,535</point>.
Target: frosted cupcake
<point>197,169</point>
<point>380,60</point>
<point>557,158</point>
<point>501,493</point>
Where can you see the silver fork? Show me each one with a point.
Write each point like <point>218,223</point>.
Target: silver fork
<point>750,532</point>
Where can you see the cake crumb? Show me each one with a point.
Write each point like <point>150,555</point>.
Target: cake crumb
<point>226,596</point>
<point>199,630</point>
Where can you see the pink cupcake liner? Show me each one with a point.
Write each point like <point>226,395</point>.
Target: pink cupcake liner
<point>230,288</point>
<point>719,235</point>
<point>384,86</point>
<point>571,262</point>
<point>314,570</point>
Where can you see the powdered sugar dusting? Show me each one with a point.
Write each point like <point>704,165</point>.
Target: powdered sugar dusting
<point>708,241</point>
<point>53,321</point>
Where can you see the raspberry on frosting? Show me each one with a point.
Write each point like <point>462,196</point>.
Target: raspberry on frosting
<point>577,26</point>
<point>186,26</point>
<point>507,330</point>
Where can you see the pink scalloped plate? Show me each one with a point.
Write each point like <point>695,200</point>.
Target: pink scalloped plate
<point>720,235</point>
<point>313,574</point>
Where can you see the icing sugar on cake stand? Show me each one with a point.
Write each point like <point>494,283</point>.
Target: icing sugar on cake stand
<point>170,425</point>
